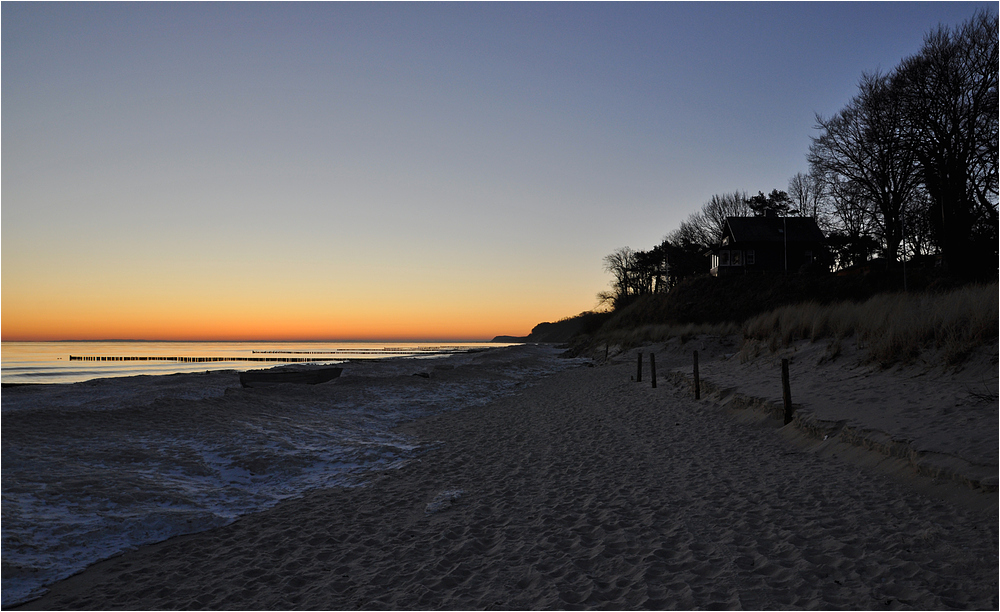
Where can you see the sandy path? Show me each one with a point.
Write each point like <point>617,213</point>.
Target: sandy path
<point>584,491</point>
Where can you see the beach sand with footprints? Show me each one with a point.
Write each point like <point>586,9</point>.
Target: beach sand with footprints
<point>589,490</point>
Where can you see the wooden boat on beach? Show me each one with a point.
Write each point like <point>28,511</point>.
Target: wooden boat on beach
<point>277,376</point>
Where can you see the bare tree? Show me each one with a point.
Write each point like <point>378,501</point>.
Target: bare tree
<point>695,230</point>
<point>619,264</point>
<point>806,192</point>
<point>852,222</point>
<point>919,236</point>
<point>720,207</point>
<point>706,227</point>
<point>949,93</point>
<point>864,144</point>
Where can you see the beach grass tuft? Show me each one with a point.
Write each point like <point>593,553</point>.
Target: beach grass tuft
<point>891,328</point>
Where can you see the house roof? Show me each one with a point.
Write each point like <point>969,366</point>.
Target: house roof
<point>772,229</point>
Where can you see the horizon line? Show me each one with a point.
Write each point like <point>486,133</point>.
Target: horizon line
<point>422,341</point>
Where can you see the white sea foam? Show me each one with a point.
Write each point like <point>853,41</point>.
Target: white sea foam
<point>92,469</point>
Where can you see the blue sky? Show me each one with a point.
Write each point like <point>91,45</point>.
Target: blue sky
<point>374,160</point>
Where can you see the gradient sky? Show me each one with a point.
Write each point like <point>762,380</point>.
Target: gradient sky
<point>390,171</point>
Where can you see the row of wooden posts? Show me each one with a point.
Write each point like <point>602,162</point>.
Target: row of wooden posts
<point>786,389</point>
<point>196,359</point>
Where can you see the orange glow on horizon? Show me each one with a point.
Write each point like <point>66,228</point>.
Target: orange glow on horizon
<point>143,300</point>
<point>46,323</point>
<point>292,329</point>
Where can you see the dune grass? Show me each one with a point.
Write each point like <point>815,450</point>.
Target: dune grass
<point>891,328</point>
<point>631,337</point>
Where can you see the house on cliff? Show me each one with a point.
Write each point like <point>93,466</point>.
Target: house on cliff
<point>768,244</point>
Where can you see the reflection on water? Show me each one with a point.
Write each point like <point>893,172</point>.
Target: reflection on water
<point>49,362</point>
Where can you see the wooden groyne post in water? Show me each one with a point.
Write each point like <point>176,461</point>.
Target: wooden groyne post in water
<point>786,391</point>
<point>652,368</point>
<point>638,373</point>
<point>198,359</point>
<point>697,379</point>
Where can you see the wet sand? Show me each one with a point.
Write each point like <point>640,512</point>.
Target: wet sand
<point>585,491</point>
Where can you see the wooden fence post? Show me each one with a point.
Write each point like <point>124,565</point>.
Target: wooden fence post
<point>786,391</point>
<point>638,374</point>
<point>697,379</point>
<point>652,368</point>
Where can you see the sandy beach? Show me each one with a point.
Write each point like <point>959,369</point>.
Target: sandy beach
<point>588,490</point>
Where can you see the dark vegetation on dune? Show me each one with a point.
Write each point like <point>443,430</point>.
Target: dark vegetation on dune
<point>894,324</point>
<point>562,331</point>
<point>734,299</point>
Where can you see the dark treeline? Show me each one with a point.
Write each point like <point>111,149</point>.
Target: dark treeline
<point>906,171</point>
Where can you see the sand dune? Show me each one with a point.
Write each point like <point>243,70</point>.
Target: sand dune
<point>583,491</point>
<point>943,422</point>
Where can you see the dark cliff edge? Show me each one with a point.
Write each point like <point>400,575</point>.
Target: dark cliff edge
<point>561,331</point>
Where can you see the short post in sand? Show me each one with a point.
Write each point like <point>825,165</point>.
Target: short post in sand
<point>786,391</point>
<point>638,373</point>
<point>652,368</point>
<point>697,379</point>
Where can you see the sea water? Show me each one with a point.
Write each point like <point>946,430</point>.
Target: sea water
<point>91,469</point>
<point>62,362</point>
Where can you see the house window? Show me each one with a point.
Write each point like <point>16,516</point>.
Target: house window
<point>750,260</point>
<point>723,258</point>
<point>735,259</point>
